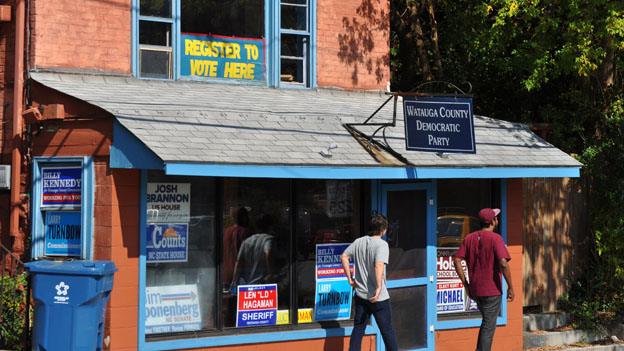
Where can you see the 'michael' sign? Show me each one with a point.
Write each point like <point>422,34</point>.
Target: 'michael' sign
<point>439,124</point>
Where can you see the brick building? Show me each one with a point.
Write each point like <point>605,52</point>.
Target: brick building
<point>199,123</point>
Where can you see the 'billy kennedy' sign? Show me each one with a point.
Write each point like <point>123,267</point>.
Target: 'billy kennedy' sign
<point>439,124</point>
<point>61,186</point>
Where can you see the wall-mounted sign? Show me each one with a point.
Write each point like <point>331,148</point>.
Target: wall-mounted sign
<point>451,294</point>
<point>62,233</point>
<point>333,294</point>
<point>257,305</point>
<point>61,186</point>
<point>173,308</point>
<point>168,202</point>
<point>212,56</point>
<point>439,124</point>
<point>167,242</point>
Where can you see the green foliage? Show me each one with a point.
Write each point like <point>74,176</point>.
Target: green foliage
<point>557,62</point>
<point>13,302</point>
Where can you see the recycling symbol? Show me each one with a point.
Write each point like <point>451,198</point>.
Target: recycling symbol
<point>61,288</point>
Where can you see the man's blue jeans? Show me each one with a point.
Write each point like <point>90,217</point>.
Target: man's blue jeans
<point>489,306</point>
<point>383,316</point>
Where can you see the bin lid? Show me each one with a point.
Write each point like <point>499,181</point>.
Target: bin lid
<point>72,267</point>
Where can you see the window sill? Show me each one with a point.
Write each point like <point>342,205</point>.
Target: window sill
<point>465,323</point>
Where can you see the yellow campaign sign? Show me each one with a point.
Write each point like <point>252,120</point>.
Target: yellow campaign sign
<point>305,315</point>
<point>283,317</point>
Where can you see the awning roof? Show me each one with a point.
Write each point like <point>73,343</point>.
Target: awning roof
<point>227,129</point>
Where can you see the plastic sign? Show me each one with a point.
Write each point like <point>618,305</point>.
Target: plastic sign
<point>167,242</point>
<point>451,294</point>
<point>168,202</point>
<point>61,186</point>
<point>212,56</point>
<point>439,124</point>
<point>257,305</point>
<point>62,233</point>
<point>333,294</point>
<point>173,308</point>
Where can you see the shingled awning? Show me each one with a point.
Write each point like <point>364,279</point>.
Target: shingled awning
<point>218,129</point>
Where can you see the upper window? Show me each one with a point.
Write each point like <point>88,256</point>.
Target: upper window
<point>213,39</point>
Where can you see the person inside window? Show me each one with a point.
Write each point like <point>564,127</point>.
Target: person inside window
<point>256,257</point>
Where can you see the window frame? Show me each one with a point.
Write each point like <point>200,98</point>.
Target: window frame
<point>272,37</point>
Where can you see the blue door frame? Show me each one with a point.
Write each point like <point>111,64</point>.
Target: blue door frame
<point>379,199</point>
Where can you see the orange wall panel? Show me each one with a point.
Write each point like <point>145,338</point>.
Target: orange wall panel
<point>329,344</point>
<point>508,337</point>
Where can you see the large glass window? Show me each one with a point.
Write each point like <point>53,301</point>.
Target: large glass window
<point>459,202</point>
<point>155,39</point>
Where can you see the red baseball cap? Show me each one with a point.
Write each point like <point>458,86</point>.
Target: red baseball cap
<point>488,214</point>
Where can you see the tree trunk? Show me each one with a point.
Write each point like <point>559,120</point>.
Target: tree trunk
<point>420,43</point>
<point>437,59</point>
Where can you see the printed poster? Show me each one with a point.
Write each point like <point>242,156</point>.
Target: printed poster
<point>333,296</point>
<point>339,199</point>
<point>173,308</point>
<point>451,295</point>
<point>61,186</point>
<point>167,242</point>
<point>257,305</point>
<point>168,202</point>
<point>63,233</point>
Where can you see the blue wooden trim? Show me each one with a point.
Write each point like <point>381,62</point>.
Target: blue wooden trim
<point>259,338</point>
<point>127,151</point>
<point>87,195</point>
<point>313,45</point>
<point>176,38</point>
<point>158,19</point>
<point>333,172</point>
<point>404,283</point>
<point>465,323</point>
<point>142,260</point>
<point>135,38</point>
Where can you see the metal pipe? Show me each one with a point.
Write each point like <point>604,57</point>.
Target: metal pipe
<point>18,106</point>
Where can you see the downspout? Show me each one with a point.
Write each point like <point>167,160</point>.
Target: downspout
<point>18,106</point>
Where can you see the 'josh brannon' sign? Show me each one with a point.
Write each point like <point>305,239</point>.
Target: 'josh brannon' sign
<point>439,124</point>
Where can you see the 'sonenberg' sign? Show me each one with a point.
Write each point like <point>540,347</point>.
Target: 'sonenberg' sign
<point>212,56</point>
<point>173,308</point>
<point>439,124</point>
<point>61,186</point>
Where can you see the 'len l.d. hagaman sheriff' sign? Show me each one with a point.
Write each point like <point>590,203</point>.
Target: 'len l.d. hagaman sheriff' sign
<point>439,124</point>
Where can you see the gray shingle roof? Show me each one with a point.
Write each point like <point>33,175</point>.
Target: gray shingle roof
<point>233,124</point>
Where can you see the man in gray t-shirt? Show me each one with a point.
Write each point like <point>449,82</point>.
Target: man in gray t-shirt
<point>370,256</point>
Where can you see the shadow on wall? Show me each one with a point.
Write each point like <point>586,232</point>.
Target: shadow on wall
<point>358,40</point>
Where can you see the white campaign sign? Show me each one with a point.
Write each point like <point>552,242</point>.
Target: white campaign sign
<point>168,202</point>
<point>172,308</point>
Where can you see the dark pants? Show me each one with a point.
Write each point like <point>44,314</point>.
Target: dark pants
<point>490,308</point>
<point>383,316</point>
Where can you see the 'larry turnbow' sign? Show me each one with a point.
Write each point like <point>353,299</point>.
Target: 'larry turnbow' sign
<point>439,124</point>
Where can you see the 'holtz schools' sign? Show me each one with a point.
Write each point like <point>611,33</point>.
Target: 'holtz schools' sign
<point>211,56</point>
<point>439,124</point>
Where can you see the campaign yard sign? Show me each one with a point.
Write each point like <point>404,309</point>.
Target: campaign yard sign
<point>214,56</point>
<point>451,294</point>
<point>167,242</point>
<point>61,186</point>
<point>63,233</point>
<point>173,308</point>
<point>439,124</point>
<point>257,305</point>
<point>168,202</point>
<point>333,295</point>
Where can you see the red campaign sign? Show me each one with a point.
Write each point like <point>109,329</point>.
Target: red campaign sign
<point>444,285</point>
<point>257,299</point>
<point>323,272</point>
<point>61,197</point>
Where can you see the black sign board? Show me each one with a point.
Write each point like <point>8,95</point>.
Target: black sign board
<point>439,124</point>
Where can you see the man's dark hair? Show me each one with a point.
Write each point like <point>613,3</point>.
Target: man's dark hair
<point>377,224</point>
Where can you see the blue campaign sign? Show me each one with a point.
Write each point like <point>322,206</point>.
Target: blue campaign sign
<point>211,56</point>
<point>167,242</point>
<point>439,124</point>
<point>333,300</point>
<point>61,186</point>
<point>328,263</point>
<point>256,305</point>
<point>62,233</point>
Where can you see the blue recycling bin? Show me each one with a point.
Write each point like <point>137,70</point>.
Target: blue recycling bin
<point>70,300</point>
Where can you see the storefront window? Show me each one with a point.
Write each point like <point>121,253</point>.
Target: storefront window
<point>327,212</point>
<point>459,202</point>
<point>181,255</point>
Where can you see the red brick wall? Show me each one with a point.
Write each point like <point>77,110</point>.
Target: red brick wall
<point>509,337</point>
<point>82,34</point>
<point>353,44</point>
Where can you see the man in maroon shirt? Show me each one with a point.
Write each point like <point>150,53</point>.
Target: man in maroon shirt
<point>486,256</point>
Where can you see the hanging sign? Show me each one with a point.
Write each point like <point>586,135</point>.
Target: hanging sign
<point>61,186</point>
<point>62,233</point>
<point>333,295</point>
<point>173,308</point>
<point>439,124</point>
<point>257,305</point>
<point>167,242</point>
<point>212,56</point>
<point>168,202</point>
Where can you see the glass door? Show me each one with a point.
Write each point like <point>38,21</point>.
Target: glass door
<point>411,217</point>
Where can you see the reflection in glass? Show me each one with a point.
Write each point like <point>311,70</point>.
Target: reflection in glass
<point>294,17</point>
<point>155,64</point>
<point>236,18</point>
<point>409,316</point>
<point>154,33</point>
<point>155,8</point>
